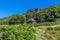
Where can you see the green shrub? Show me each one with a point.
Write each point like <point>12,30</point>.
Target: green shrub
<point>18,32</point>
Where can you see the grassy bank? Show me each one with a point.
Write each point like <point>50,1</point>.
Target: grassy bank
<point>43,31</point>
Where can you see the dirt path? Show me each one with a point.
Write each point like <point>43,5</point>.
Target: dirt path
<point>40,37</point>
<point>55,25</point>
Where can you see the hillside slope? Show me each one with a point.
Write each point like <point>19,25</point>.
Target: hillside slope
<point>30,32</point>
<point>49,14</point>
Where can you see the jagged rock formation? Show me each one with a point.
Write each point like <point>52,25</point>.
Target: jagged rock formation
<point>31,20</point>
<point>35,10</point>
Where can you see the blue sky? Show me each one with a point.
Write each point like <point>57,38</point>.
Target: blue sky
<point>9,7</point>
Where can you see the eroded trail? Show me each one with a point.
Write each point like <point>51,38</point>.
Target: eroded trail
<point>41,31</point>
<point>55,25</point>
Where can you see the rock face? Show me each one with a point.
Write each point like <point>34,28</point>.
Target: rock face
<point>31,20</point>
<point>35,10</point>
